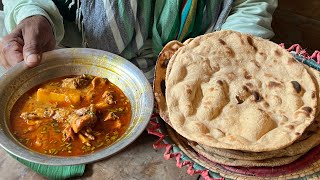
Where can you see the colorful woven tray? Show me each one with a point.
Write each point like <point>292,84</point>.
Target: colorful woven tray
<point>306,167</point>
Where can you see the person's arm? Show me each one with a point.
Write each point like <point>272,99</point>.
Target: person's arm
<point>252,17</point>
<point>18,10</point>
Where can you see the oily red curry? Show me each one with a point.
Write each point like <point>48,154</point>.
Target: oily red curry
<point>71,116</point>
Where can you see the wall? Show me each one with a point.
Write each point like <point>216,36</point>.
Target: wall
<point>298,21</point>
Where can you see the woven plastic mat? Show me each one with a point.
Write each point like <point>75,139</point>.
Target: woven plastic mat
<point>306,167</point>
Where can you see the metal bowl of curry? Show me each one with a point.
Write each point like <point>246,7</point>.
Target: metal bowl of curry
<point>78,106</point>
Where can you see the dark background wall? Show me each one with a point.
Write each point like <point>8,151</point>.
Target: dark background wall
<point>298,22</point>
<point>1,6</point>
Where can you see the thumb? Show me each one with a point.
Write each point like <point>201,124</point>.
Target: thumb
<point>33,45</point>
<point>31,59</point>
<point>38,37</point>
<point>31,51</point>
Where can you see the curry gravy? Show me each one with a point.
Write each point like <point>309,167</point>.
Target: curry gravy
<point>71,116</point>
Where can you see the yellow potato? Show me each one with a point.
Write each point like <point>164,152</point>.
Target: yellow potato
<point>44,95</point>
<point>57,97</point>
<point>73,98</point>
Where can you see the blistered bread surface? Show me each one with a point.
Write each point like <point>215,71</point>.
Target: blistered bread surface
<point>235,91</point>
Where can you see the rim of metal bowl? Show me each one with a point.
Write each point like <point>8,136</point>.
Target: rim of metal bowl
<point>12,146</point>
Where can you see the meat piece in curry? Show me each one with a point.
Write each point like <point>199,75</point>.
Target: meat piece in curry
<point>61,114</point>
<point>77,82</point>
<point>84,117</point>
<point>71,116</point>
<point>111,116</point>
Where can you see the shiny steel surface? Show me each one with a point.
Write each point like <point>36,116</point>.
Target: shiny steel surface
<point>77,61</point>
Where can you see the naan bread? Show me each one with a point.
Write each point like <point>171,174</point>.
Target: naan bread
<point>276,161</point>
<point>235,91</point>
<point>159,85</point>
<point>309,139</point>
<point>315,74</point>
<point>180,141</point>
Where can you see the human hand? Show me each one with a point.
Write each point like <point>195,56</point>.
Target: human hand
<point>32,37</point>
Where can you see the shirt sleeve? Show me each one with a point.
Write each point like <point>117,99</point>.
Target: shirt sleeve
<point>17,10</point>
<point>252,17</point>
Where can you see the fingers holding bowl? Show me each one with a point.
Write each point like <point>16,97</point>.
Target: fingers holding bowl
<point>11,51</point>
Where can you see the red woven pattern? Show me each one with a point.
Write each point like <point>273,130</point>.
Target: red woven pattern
<point>153,128</point>
<point>302,52</point>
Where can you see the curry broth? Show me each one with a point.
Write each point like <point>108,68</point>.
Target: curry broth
<point>36,123</point>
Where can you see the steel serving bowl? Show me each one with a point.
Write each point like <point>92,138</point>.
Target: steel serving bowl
<point>77,61</point>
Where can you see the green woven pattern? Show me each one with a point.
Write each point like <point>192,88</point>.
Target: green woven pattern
<point>54,172</point>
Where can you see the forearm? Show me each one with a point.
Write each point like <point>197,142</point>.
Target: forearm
<point>17,10</point>
<point>252,17</point>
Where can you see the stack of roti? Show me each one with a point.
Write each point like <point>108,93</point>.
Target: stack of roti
<point>238,100</point>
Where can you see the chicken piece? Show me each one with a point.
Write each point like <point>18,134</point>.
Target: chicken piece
<point>89,95</point>
<point>109,98</point>
<point>30,116</point>
<point>87,132</point>
<point>117,124</point>
<point>33,126</point>
<point>68,133</point>
<point>97,81</point>
<point>33,122</point>
<point>61,114</point>
<point>77,82</point>
<point>33,118</point>
<point>84,140</point>
<point>38,113</point>
<point>69,83</point>
<point>48,112</point>
<point>111,116</point>
<point>84,117</point>
<point>91,137</point>
<point>101,105</point>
